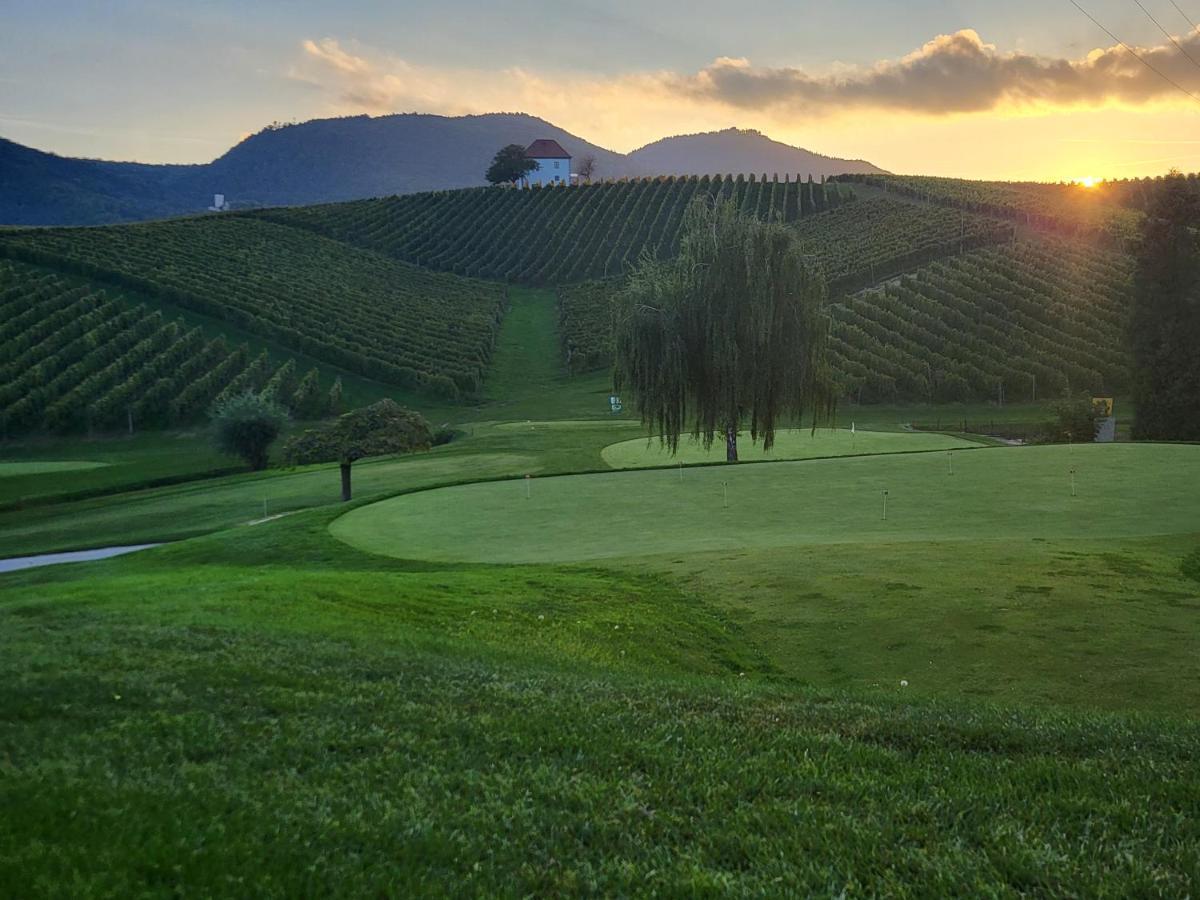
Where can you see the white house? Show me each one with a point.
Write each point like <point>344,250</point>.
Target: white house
<point>553,163</point>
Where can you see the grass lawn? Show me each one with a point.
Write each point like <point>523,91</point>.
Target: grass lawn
<point>993,582</point>
<point>271,712</point>
<point>994,493</point>
<point>799,443</point>
<point>44,467</point>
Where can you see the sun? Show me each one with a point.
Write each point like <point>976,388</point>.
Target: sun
<point>1088,182</point>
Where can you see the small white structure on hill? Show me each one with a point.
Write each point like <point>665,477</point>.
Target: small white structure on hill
<point>219,204</point>
<point>553,163</point>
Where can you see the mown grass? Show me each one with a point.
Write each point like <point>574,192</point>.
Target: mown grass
<point>270,712</point>
<point>987,493</point>
<point>800,443</point>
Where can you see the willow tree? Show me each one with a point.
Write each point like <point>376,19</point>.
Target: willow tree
<point>730,333</point>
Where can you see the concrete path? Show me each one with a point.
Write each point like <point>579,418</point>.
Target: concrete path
<point>51,559</point>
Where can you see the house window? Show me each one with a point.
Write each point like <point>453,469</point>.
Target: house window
<point>556,164</point>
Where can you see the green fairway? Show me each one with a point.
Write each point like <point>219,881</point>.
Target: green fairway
<point>46,467</point>
<point>1123,490</point>
<point>798,443</point>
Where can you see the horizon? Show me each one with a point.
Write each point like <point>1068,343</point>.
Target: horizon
<point>960,90</point>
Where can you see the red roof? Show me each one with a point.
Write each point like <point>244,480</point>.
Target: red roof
<point>543,148</point>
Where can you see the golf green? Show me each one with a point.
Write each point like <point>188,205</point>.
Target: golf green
<point>992,493</point>
<point>9,469</point>
<point>799,443</point>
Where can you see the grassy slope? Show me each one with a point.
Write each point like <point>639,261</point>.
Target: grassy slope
<point>271,712</point>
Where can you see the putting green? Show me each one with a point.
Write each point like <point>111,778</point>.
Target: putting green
<point>993,493</point>
<point>8,469</point>
<point>800,443</point>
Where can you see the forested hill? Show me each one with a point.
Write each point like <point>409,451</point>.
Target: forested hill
<point>740,150</point>
<point>351,158</point>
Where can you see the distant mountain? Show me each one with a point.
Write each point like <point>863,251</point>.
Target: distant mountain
<point>350,158</point>
<point>735,150</point>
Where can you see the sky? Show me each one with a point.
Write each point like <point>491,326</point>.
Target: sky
<point>1021,89</point>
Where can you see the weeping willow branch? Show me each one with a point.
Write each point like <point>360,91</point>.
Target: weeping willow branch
<point>731,332</point>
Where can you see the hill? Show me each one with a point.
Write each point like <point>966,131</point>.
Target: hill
<point>549,235</point>
<point>351,308</point>
<point>349,158</point>
<point>740,150</point>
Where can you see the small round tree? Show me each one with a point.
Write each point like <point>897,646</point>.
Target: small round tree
<point>381,428</point>
<point>510,165</point>
<point>246,425</point>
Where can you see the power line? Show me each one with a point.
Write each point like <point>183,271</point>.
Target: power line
<point>1185,15</point>
<point>1170,37</point>
<point>1137,55</point>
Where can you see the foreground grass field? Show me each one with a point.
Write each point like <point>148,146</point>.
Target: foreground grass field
<point>271,712</point>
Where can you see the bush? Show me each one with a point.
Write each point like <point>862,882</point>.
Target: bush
<point>246,425</point>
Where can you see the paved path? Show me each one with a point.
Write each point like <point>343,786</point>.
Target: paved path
<point>52,559</point>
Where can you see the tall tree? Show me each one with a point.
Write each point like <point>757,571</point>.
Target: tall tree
<point>1165,325</point>
<point>376,430</point>
<point>730,332</point>
<point>510,165</point>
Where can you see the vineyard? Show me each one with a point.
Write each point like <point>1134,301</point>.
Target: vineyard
<point>79,358</point>
<point>856,245</point>
<point>860,245</point>
<point>1013,321</point>
<point>549,236</point>
<point>354,309</point>
<point>1065,209</point>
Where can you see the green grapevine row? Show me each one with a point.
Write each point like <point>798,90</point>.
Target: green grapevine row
<point>355,309</point>
<point>856,245</point>
<point>1014,320</point>
<point>1018,321</point>
<point>1063,209</point>
<point>550,236</point>
<point>82,359</point>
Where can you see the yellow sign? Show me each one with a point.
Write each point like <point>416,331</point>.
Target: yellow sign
<point>1103,406</point>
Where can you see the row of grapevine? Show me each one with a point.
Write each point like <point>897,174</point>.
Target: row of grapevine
<point>856,245</point>
<point>552,235</point>
<point>81,359</point>
<point>1014,320</point>
<point>585,324</point>
<point>358,310</point>
<point>1064,209</point>
<point>872,240</point>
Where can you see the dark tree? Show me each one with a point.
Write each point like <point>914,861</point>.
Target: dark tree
<point>246,425</point>
<point>376,430</point>
<point>1165,325</point>
<point>586,168</point>
<point>730,332</point>
<point>510,165</point>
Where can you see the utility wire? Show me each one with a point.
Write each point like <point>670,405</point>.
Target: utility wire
<point>1137,55</point>
<point>1170,37</point>
<point>1185,15</point>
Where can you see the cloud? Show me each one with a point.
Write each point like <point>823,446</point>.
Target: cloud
<point>954,73</point>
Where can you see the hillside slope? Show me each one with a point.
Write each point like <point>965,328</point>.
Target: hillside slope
<point>548,236</point>
<point>352,308</point>
<point>740,150</point>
